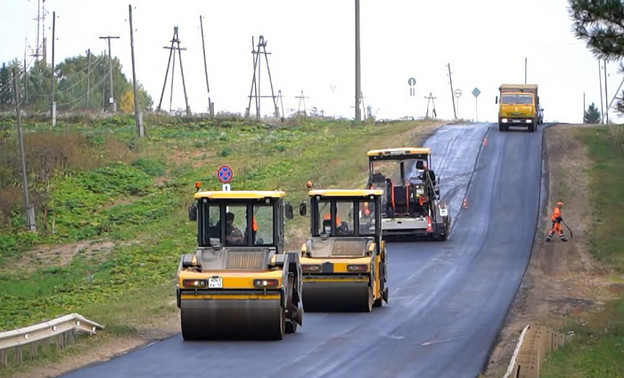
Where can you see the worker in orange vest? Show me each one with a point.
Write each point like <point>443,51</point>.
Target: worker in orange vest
<point>556,223</point>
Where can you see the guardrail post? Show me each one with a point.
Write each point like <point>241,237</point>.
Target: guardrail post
<point>18,354</point>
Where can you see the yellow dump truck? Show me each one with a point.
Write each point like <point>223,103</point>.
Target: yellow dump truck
<point>239,282</point>
<point>518,105</point>
<point>344,259</point>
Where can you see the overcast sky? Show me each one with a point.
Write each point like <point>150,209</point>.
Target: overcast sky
<point>312,51</point>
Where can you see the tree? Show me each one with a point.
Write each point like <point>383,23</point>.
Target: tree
<point>591,115</point>
<point>601,24</point>
<point>74,77</point>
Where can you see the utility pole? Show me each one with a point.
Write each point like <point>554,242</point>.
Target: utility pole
<point>452,94</point>
<point>88,76</point>
<point>210,104</point>
<point>53,104</point>
<point>301,99</point>
<point>525,70</point>
<point>430,99</point>
<point>358,87</point>
<point>173,46</point>
<point>600,83</point>
<point>30,211</point>
<point>606,93</point>
<point>25,82</point>
<point>255,82</point>
<point>279,94</point>
<point>111,99</point>
<point>137,115</point>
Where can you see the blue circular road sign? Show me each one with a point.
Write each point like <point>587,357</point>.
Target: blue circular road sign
<point>225,174</point>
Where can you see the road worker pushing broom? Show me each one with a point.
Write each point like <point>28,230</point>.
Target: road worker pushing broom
<point>557,219</point>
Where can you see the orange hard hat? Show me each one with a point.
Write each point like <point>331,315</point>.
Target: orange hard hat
<point>559,203</point>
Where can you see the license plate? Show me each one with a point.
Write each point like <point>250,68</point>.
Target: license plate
<point>443,212</point>
<point>215,282</point>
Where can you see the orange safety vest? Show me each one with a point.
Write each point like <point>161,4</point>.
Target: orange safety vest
<point>556,214</point>
<point>328,217</point>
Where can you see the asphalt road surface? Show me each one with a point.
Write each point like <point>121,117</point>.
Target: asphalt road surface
<point>448,300</point>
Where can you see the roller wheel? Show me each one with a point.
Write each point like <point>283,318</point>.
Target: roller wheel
<point>371,300</point>
<point>291,305</point>
<point>278,333</point>
<point>188,333</point>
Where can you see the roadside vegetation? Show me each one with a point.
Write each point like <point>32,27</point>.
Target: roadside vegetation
<point>597,347</point>
<point>111,208</point>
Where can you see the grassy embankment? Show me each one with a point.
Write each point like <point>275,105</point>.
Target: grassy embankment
<point>597,349</point>
<point>116,220</point>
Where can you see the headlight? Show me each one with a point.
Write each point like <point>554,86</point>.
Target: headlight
<point>310,268</point>
<point>357,268</point>
<point>194,283</point>
<point>267,283</point>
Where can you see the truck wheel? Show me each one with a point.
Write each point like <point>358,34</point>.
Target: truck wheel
<point>502,127</point>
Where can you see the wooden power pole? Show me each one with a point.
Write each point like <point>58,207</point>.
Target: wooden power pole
<point>30,211</point>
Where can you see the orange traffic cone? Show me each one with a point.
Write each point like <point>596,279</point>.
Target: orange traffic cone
<point>484,142</point>
<point>465,204</point>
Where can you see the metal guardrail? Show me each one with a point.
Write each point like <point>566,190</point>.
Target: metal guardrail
<point>533,346</point>
<point>57,331</point>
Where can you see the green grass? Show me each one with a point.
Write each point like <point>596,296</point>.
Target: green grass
<point>597,348</point>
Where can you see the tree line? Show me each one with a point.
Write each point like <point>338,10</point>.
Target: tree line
<point>81,83</point>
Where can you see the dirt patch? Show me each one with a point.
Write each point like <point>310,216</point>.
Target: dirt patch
<point>62,255</point>
<point>562,279</point>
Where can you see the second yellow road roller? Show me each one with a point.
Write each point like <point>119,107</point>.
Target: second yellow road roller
<point>344,259</point>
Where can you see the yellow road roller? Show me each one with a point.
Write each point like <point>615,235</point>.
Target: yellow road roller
<point>344,259</point>
<point>239,283</point>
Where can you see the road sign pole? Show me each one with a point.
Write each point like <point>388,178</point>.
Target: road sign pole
<point>476,92</point>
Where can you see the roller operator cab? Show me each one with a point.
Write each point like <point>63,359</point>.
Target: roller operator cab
<point>519,105</point>
<point>344,259</point>
<point>410,204</point>
<point>239,282</point>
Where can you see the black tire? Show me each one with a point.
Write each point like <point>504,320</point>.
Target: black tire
<point>278,333</point>
<point>369,306</point>
<point>501,127</point>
